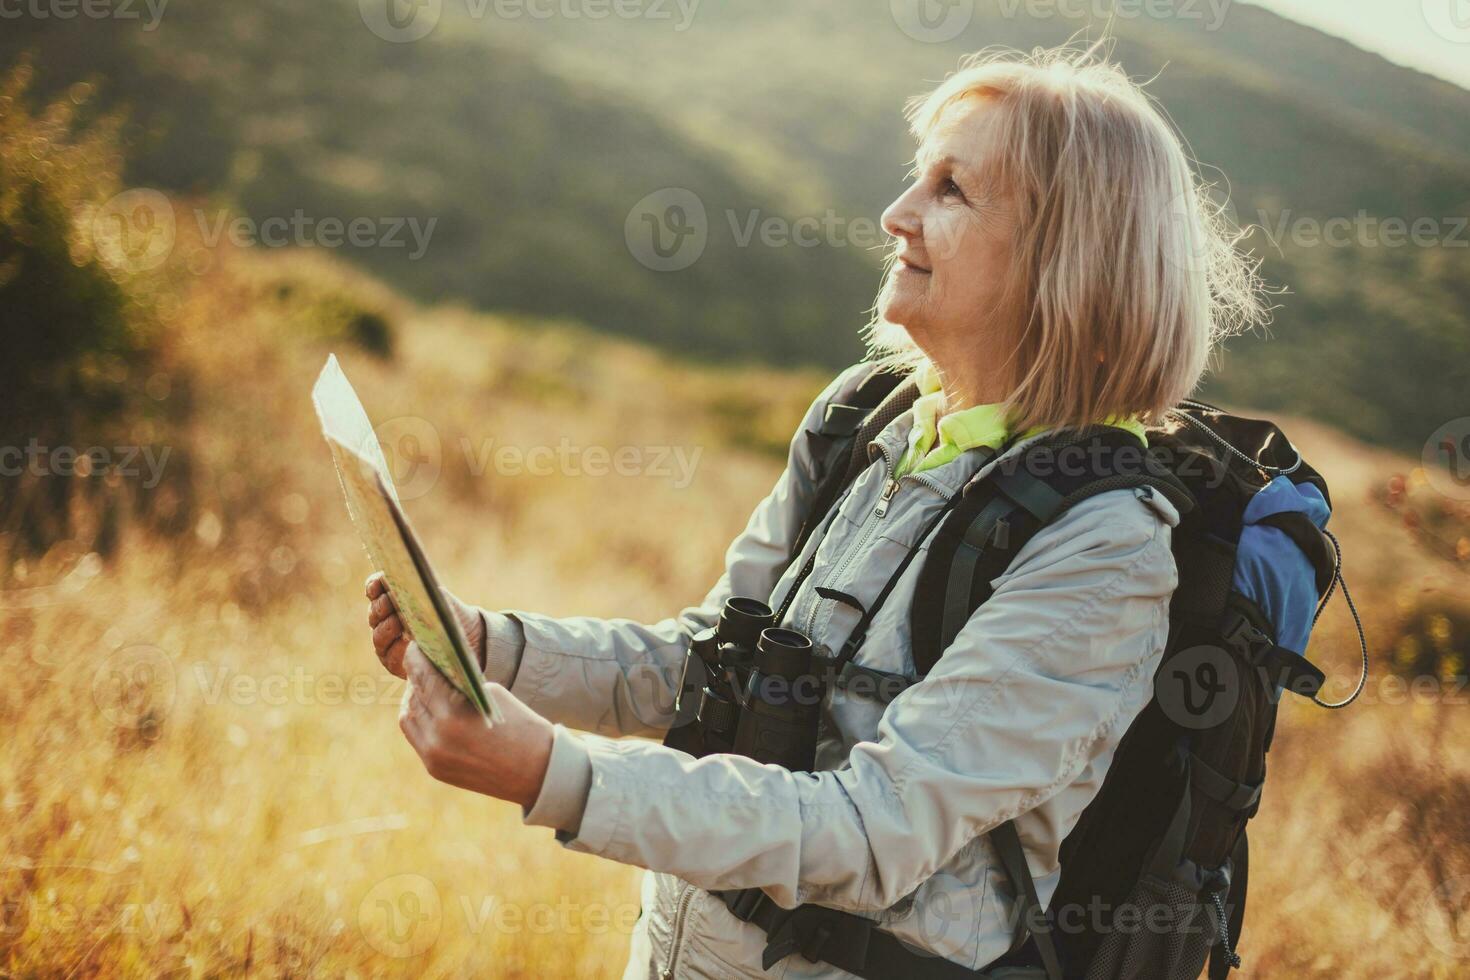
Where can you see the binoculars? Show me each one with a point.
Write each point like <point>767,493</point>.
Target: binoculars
<point>749,687</point>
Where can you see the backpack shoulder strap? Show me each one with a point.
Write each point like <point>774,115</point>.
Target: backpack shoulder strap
<point>859,410</point>
<point>1033,921</point>
<point>999,513</point>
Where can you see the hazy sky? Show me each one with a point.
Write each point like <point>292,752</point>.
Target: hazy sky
<point>1431,35</point>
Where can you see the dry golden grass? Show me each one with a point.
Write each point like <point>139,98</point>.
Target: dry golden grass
<point>202,770</point>
<point>202,773</point>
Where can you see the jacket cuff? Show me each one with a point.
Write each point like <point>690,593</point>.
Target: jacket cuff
<point>505,641</point>
<point>563,795</point>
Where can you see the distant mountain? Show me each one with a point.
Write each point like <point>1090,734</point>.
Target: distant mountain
<point>535,143</point>
<point>1419,111</point>
<point>1300,129</point>
<point>277,108</point>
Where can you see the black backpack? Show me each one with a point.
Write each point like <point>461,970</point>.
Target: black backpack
<point>1153,875</point>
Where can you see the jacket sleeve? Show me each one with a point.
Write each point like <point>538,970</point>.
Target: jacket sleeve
<point>617,676</point>
<point>1042,681</point>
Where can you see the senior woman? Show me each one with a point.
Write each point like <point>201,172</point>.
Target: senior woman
<point>1055,265</point>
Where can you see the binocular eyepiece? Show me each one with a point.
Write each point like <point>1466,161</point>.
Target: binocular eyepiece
<point>749,687</point>
<point>778,723</point>
<point>743,620</point>
<point>783,653</point>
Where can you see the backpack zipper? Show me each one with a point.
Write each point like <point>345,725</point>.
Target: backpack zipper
<point>681,913</point>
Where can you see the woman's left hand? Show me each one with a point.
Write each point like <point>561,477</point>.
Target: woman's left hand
<point>460,747</point>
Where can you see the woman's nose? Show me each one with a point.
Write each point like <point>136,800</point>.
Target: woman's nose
<point>900,219</point>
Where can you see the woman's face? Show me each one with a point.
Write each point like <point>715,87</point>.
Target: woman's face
<point>955,232</point>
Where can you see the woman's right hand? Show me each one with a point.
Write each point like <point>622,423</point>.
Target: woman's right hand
<point>391,640</point>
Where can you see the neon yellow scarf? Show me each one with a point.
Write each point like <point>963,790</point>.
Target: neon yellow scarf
<point>980,425</point>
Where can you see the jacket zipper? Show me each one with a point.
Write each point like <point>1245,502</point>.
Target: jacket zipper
<point>681,912</point>
<point>870,524</point>
<point>890,487</point>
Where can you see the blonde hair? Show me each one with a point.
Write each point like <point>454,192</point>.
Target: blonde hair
<point>1126,273</point>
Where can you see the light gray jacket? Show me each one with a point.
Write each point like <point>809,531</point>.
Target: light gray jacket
<point>1020,718</point>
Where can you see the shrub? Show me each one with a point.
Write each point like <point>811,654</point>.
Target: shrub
<point>81,331</point>
<point>1432,638</point>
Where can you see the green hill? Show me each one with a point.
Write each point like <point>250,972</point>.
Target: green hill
<point>1304,128</point>
<point>275,108</point>
<point>532,140</point>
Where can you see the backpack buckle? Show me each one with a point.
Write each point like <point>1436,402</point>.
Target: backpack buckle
<point>842,421</point>
<point>745,903</point>
<point>1279,668</point>
<point>1246,637</point>
<point>808,929</point>
<point>1216,880</point>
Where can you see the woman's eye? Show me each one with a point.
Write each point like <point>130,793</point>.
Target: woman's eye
<point>950,189</point>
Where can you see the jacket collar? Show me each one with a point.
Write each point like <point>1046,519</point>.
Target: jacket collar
<point>952,476</point>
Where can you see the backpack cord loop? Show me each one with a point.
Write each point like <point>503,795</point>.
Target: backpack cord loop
<point>1231,956</point>
<point>1224,444</point>
<point>1357,622</point>
<point>1337,578</point>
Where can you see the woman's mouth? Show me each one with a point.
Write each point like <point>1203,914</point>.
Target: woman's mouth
<point>909,265</point>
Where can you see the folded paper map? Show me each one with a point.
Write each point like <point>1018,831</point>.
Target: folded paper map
<point>373,504</point>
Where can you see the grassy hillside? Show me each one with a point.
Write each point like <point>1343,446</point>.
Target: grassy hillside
<point>1410,108</point>
<point>1298,128</point>
<point>531,141</point>
<point>1328,128</point>
<point>203,773</point>
<point>274,108</point>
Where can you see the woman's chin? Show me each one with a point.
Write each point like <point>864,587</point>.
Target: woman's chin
<point>887,334</point>
<point>896,308</point>
<point>901,297</point>
<point>890,308</point>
